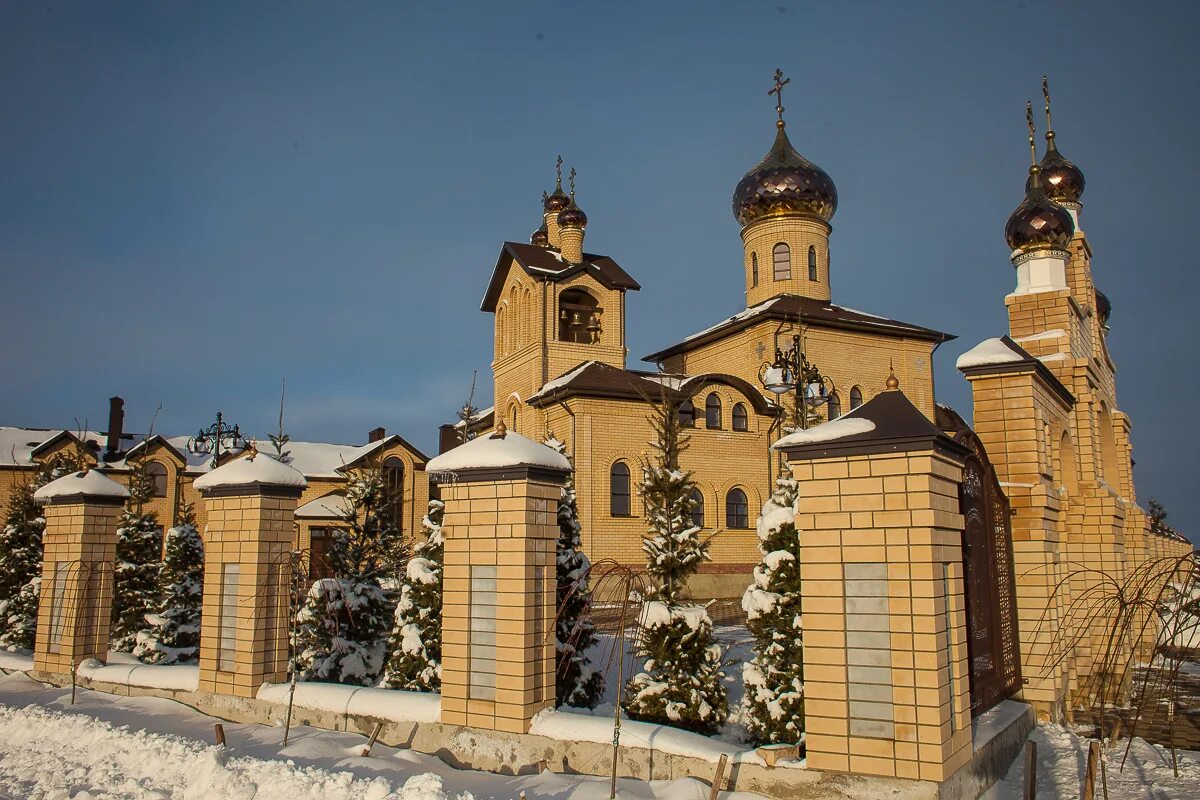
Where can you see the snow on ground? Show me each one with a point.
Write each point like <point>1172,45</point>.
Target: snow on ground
<point>1062,761</point>
<point>144,748</point>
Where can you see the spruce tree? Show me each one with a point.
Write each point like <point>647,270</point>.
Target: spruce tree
<point>680,683</point>
<point>577,682</point>
<point>139,556</point>
<point>773,704</point>
<point>174,633</point>
<point>21,564</point>
<point>343,627</point>
<point>416,643</point>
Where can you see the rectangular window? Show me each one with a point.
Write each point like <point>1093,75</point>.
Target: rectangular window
<point>58,605</point>
<point>227,628</point>
<point>483,633</point>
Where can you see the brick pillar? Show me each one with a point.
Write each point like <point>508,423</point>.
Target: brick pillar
<point>250,505</point>
<point>498,606</point>
<point>80,544</point>
<point>885,648</point>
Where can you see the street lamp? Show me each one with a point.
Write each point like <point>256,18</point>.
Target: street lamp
<point>792,372</point>
<point>215,437</point>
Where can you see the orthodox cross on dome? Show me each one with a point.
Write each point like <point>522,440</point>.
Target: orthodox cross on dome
<point>558,173</point>
<point>572,181</point>
<point>777,90</point>
<point>1046,94</point>
<point>1032,131</point>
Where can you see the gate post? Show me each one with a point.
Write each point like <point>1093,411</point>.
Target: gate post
<point>500,526</point>
<point>249,505</point>
<point>80,544</point>
<point>885,651</point>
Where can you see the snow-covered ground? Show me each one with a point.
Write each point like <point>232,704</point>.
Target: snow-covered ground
<point>1062,761</point>
<point>107,747</point>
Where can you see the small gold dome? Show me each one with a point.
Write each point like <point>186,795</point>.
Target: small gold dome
<point>540,237</point>
<point>1038,223</point>
<point>784,183</point>
<point>1062,180</point>
<point>572,216</point>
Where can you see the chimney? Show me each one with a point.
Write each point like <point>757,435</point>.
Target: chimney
<point>116,421</point>
<point>448,437</point>
<point>376,435</point>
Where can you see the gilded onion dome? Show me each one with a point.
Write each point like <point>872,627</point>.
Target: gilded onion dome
<point>557,200</point>
<point>1103,307</point>
<point>1063,181</point>
<point>572,216</point>
<point>540,237</point>
<point>784,183</point>
<point>1038,223</point>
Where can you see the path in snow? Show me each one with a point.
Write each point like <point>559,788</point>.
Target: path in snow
<point>141,748</point>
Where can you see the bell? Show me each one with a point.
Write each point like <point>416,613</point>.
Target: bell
<point>593,325</point>
<point>576,319</point>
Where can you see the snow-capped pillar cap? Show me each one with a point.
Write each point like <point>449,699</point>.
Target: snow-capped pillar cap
<point>887,423</point>
<point>1001,356</point>
<point>85,486</point>
<point>257,474</point>
<point>500,456</point>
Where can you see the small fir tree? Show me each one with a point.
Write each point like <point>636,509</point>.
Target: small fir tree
<point>174,633</point>
<point>343,628</point>
<point>773,705</point>
<point>21,564</point>
<point>139,556</point>
<point>680,683</point>
<point>577,683</point>
<point>416,643</point>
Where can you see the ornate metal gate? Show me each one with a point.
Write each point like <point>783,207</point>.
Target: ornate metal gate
<point>988,579</point>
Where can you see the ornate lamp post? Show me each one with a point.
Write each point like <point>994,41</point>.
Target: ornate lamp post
<point>792,372</point>
<point>215,437</point>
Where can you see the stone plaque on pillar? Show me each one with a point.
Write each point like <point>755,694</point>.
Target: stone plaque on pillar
<point>79,545</point>
<point>249,505</point>
<point>500,526</point>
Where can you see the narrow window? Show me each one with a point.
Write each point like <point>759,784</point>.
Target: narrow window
<point>740,420</point>
<point>812,263</point>
<point>156,477</point>
<point>318,561</point>
<point>737,510</point>
<point>855,397</point>
<point>835,406</point>
<point>697,508</point>
<point>712,412</point>
<point>783,262</point>
<point>618,480</point>
<point>754,269</point>
<point>393,476</point>
<point>687,414</point>
<point>227,627</point>
<point>482,619</point>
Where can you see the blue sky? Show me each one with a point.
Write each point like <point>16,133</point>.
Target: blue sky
<point>198,200</point>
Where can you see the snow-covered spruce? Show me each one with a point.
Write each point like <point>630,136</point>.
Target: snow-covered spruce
<point>174,633</point>
<point>342,629</point>
<point>577,682</point>
<point>773,705</point>
<point>416,644</point>
<point>135,574</point>
<point>681,680</point>
<point>21,564</point>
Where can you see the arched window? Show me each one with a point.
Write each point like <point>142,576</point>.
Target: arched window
<point>737,510</point>
<point>393,476</point>
<point>712,411</point>
<point>835,406</point>
<point>812,263</point>
<point>754,269</point>
<point>783,262</point>
<point>740,421</point>
<point>578,317</point>
<point>618,486</point>
<point>156,478</point>
<point>501,320</point>
<point>687,414</point>
<point>855,397</point>
<point>697,508</point>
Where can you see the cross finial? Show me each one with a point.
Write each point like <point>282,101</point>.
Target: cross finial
<point>1046,94</point>
<point>558,173</point>
<point>777,90</point>
<point>572,180</point>
<point>1032,131</point>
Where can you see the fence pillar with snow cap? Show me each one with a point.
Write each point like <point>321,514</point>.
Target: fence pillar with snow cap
<point>250,506</point>
<point>885,642</point>
<point>80,545</point>
<point>500,526</point>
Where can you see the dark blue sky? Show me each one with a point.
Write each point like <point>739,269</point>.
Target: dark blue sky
<point>197,200</point>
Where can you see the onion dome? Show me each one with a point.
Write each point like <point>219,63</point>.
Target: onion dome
<point>572,216</point>
<point>784,183</point>
<point>1038,223</point>
<point>557,200</point>
<point>1063,181</point>
<point>540,237</point>
<point>1103,307</point>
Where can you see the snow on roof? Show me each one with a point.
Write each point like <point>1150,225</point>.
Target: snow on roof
<point>88,482</point>
<point>989,351</point>
<point>1053,333</point>
<point>512,450</point>
<point>563,380</point>
<point>259,470</point>
<point>331,506</point>
<point>838,428</point>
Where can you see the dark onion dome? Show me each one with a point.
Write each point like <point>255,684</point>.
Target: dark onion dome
<point>1062,180</point>
<point>540,237</point>
<point>1038,223</point>
<point>557,200</point>
<point>784,183</point>
<point>572,216</point>
<point>1103,307</point>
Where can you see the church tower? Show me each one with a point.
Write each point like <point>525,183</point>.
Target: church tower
<point>784,204</point>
